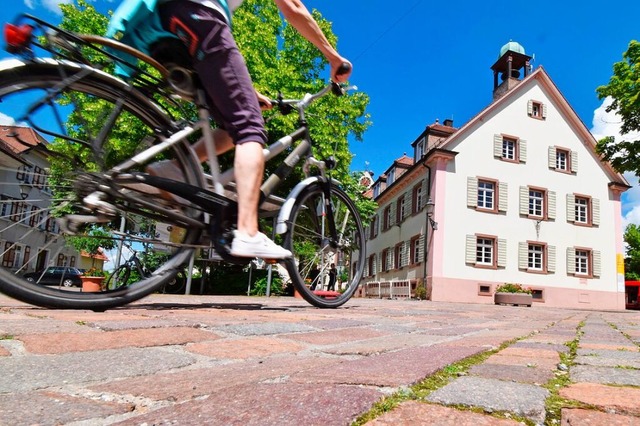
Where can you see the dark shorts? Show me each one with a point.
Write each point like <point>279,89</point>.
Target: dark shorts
<point>220,66</point>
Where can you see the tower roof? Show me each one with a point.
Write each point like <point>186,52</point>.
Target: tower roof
<point>512,46</point>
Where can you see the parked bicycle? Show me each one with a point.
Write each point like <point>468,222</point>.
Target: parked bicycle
<point>133,270</point>
<point>105,130</point>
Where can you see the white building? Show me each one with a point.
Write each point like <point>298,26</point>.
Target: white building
<point>29,236</point>
<point>518,196</point>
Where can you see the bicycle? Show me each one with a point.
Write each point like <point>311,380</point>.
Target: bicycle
<point>133,269</point>
<point>97,180</point>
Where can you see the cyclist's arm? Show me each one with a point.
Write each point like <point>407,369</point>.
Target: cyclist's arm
<point>297,15</point>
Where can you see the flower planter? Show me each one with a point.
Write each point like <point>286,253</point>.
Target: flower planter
<point>91,284</point>
<point>515,299</point>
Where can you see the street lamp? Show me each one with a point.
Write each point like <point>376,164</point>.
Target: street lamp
<point>429,208</point>
<point>25,188</point>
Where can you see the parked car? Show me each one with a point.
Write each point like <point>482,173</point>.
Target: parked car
<point>56,275</point>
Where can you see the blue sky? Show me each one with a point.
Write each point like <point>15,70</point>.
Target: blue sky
<point>420,60</point>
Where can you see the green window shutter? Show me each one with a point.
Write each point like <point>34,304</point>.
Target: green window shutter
<point>597,263</point>
<point>551,199</point>
<point>503,192</point>
<point>470,249</point>
<point>502,252</point>
<point>571,208</point>
<point>544,110</point>
<point>552,157</point>
<point>523,150</point>
<point>529,107</point>
<point>574,161</point>
<point>551,259</point>
<point>472,191</point>
<point>595,211</point>
<point>571,261</point>
<point>497,146</point>
<point>524,200</point>
<point>523,255</point>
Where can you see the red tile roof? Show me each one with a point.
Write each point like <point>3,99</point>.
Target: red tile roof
<point>19,139</point>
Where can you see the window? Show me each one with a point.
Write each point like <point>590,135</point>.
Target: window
<point>39,177</point>
<point>486,251</point>
<point>583,262</point>
<point>373,227</point>
<point>385,260</point>
<point>416,255</point>
<point>581,210</point>
<point>9,254</point>
<point>419,150</point>
<point>537,109</point>
<point>391,176</point>
<point>563,160</point>
<point>417,198</point>
<point>18,210</point>
<point>400,209</point>
<point>486,194</point>
<point>510,148</point>
<point>397,256</point>
<point>372,264</point>
<point>33,216</point>
<point>536,257</point>
<point>27,256</point>
<point>387,218</point>
<point>23,174</point>
<point>537,203</point>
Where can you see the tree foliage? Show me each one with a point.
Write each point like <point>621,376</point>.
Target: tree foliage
<point>624,89</point>
<point>632,258</point>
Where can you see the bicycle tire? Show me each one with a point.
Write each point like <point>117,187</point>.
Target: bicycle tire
<point>91,99</point>
<point>118,278</point>
<point>309,240</point>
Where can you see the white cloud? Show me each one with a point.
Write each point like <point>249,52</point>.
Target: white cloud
<point>5,119</point>
<point>52,5</point>
<point>29,4</point>
<point>608,124</point>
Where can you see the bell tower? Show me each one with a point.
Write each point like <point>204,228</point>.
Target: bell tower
<point>512,63</point>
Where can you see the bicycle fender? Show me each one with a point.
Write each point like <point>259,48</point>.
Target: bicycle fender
<point>285,212</point>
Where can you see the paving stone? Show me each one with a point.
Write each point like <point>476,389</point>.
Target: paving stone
<point>538,345</point>
<point>528,352</point>
<point>50,408</point>
<point>184,385</point>
<point>522,399</point>
<point>332,337</point>
<point>252,347</point>
<point>422,414</point>
<point>610,346</point>
<point>572,417</point>
<point>608,358</point>
<point>71,342</point>
<point>605,375</point>
<point>608,398</point>
<point>516,373</point>
<point>541,363</point>
<point>266,328</point>
<point>23,373</point>
<point>269,404</point>
<point>397,368</point>
<point>385,344</point>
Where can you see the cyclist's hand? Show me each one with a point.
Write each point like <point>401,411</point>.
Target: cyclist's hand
<point>340,70</point>
<point>265,103</point>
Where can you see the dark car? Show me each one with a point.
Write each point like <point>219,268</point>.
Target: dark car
<point>56,275</point>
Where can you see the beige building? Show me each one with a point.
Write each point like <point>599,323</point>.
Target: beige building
<point>515,195</point>
<point>29,236</point>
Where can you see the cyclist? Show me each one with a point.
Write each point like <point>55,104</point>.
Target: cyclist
<point>204,28</point>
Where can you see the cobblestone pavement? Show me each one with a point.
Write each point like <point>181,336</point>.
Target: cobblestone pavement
<point>191,360</point>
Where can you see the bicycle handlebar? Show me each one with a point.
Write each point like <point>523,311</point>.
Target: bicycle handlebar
<point>286,106</point>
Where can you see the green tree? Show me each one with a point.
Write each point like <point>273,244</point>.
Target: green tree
<point>95,239</point>
<point>632,258</point>
<point>624,90</point>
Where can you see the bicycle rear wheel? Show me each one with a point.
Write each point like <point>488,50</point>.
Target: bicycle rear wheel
<point>67,127</point>
<point>309,239</point>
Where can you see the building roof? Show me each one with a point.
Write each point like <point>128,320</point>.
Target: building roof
<point>19,139</point>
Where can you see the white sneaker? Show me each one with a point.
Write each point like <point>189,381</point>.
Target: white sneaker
<point>257,246</point>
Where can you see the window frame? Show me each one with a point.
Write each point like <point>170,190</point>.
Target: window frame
<point>416,198</point>
<point>493,245</point>
<point>544,256</point>
<point>495,195</point>
<point>414,250</point>
<point>401,205</point>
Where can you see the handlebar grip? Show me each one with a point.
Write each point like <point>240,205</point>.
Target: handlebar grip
<point>344,68</point>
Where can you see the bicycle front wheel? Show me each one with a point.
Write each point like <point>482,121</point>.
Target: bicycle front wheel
<point>68,128</point>
<point>321,240</point>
